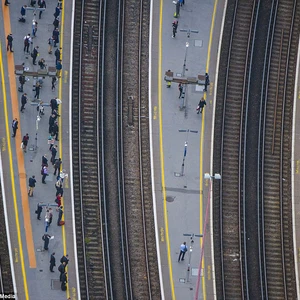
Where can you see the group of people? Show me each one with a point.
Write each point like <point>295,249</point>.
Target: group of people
<point>62,269</point>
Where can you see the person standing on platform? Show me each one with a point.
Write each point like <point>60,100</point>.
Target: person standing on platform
<point>37,90</point>
<point>53,152</point>
<point>61,269</point>
<point>23,102</point>
<point>53,82</point>
<point>55,35</point>
<point>52,261</point>
<point>31,183</point>
<point>50,215</point>
<point>201,105</point>
<point>65,259</point>
<point>207,82</point>
<point>51,45</point>
<point>57,11</point>
<point>55,130</point>
<point>57,55</point>
<point>22,81</point>
<point>51,141</point>
<point>46,238</point>
<point>34,27</point>
<point>25,141</point>
<point>64,282</point>
<point>53,104</point>
<point>27,42</point>
<point>58,200</point>
<point>57,165</point>
<point>51,123</point>
<point>44,173</point>
<point>174,27</point>
<point>39,210</point>
<point>41,4</point>
<point>44,160</point>
<point>35,54</point>
<point>183,250</point>
<point>56,23</point>
<point>9,42</point>
<point>14,126</point>
<point>58,69</point>
<point>23,14</point>
<point>180,88</point>
<point>60,214</point>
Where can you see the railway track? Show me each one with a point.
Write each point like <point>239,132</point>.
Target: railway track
<point>6,283</point>
<point>276,155</point>
<point>136,152</point>
<point>85,150</point>
<point>252,214</point>
<point>230,117</point>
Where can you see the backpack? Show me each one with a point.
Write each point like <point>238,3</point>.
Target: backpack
<point>26,41</point>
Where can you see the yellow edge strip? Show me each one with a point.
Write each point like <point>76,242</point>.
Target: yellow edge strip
<point>13,187</point>
<point>60,129</point>
<point>162,165</point>
<point>202,143</point>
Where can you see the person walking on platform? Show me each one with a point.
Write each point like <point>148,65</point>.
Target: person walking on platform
<point>60,214</point>
<point>27,42</point>
<point>46,238</point>
<point>25,142</point>
<point>53,152</point>
<point>35,54</point>
<point>41,4</point>
<point>52,261</point>
<point>57,166</point>
<point>22,81</point>
<point>39,210</point>
<point>65,259</point>
<point>44,173</point>
<point>200,106</point>
<point>53,82</point>
<point>183,250</point>
<point>57,55</point>
<point>31,184</point>
<point>9,42</point>
<point>61,269</point>
<point>14,126</point>
<point>174,28</point>
<point>23,102</point>
<point>23,14</point>
<point>64,282</point>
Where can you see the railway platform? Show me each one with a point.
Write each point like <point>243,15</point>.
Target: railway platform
<point>184,140</point>
<point>31,262</point>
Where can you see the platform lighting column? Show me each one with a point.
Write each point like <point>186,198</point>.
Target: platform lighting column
<point>210,177</point>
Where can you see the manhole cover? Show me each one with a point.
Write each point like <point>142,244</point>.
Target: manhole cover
<point>170,198</point>
<point>55,284</point>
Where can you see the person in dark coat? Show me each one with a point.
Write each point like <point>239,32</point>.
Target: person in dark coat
<point>31,184</point>
<point>53,104</point>
<point>46,238</point>
<point>23,101</point>
<point>64,282</point>
<point>61,269</point>
<point>201,104</point>
<point>60,214</point>
<point>57,55</point>
<point>55,35</point>
<point>44,174</point>
<point>65,259</point>
<point>56,23</point>
<point>207,82</point>
<point>44,160</point>
<point>25,141</point>
<point>42,4</point>
<point>23,14</point>
<point>14,126</point>
<point>37,90</point>
<point>57,165</point>
<point>52,261</point>
<point>39,210</point>
<point>55,130</point>
<point>57,11</point>
<point>53,152</point>
<point>52,119</point>
<point>22,81</point>
<point>9,42</point>
<point>34,54</point>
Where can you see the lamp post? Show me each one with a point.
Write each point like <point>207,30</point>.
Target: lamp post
<point>184,151</point>
<point>210,177</point>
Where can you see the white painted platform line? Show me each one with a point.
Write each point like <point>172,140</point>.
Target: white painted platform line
<point>151,158</point>
<point>293,171</point>
<point>70,152</point>
<point>7,230</point>
<point>212,153</point>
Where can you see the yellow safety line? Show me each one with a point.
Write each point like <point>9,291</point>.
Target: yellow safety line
<point>161,151</point>
<point>60,129</point>
<point>202,143</point>
<point>12,175</point>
